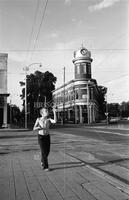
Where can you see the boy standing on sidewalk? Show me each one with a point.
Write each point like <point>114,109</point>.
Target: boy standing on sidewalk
<point>42,125</point>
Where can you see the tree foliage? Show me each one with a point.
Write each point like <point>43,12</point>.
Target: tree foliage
<point>124,109</point>
<point>39,89</point>
<point>114,109</point>
<point>101,100</point>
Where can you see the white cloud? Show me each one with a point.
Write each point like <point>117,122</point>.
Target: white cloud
<point>53,35</point>
<point>68,2</point>
<point>17,57</point>
<point>103,4</point>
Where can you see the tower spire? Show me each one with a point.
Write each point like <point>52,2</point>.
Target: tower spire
<point>82,45</point>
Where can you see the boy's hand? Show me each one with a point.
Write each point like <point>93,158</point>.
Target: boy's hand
<point>54,110</point>
<point>40,128</point>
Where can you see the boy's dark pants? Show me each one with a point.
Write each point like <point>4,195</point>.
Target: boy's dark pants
<point>44,142</point>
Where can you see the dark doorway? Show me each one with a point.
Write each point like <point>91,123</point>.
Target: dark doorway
<point>84,116</point>
<point>1,117</point>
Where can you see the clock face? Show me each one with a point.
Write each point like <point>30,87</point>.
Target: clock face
<point>83,51</point>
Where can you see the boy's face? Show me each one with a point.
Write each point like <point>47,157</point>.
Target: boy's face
<point>44,112</point>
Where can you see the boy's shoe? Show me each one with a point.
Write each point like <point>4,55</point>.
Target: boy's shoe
<point>47,169</point>
<point>42,167</point>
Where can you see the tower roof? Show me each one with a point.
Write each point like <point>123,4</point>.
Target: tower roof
<point>82,52</point>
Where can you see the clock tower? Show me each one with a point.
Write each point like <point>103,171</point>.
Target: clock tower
<point>82,63</point>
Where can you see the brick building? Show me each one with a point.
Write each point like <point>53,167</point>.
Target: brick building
<point>77,100</point>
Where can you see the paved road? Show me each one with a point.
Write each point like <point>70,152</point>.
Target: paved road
<point>105,148</point>
<point>99,133</point>
<point>102,148</point>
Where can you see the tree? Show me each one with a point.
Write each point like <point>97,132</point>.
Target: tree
<point>114,109</point>
<point>124,109</point>
<point>39,90</point>
<point>101,100</point>
<point>14,115</point>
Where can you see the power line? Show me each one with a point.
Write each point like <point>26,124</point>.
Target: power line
<point>43,17</point>
<point>110,54</point>
<point>124,75</point>
<point>47,50</point>
<point>32,30</point>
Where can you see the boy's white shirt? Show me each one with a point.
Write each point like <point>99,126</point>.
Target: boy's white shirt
<point>43,124</point>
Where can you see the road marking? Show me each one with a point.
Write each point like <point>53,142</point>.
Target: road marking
<point>114,133</point>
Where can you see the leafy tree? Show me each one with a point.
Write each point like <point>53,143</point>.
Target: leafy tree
<point>14,114</point>
<point>114,109</point>
<point>39,90</point>
<point>101,100</point>
<point>124,109</point>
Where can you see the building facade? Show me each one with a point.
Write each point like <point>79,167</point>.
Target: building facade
<point>77,100</point>
<point>3,89</point>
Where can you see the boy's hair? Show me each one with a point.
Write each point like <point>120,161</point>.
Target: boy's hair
<point>43,108</point>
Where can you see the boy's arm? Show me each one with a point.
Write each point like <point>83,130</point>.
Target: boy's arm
<point>36,126</point>
<point>55,118</point>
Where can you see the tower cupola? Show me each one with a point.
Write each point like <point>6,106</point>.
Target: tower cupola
<point>82,63</point>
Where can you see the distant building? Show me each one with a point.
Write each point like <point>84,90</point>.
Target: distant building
<point>77,100</point>
<point>3,89</point>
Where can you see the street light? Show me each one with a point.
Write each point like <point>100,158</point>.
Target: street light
<point>27,69</point>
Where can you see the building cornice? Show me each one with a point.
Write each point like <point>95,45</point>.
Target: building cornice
<point>83,59</point>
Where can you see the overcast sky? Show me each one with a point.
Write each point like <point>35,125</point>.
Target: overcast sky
<point>53,29</point>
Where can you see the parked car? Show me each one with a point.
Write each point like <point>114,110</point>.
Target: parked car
<point>114,119</point>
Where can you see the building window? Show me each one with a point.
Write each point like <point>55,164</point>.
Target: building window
<point>78,68</point>
<point>69,95</point>
<point>66,96</point>
<point>76,94</point>
<point>83,66</point>
<point>92,93</point>
<point>83,93</point>
<point>88,66</point>
<point>2,81</point>
<point>72,95</point>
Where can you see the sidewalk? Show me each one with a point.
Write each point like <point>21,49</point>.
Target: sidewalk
<point>21,177</point>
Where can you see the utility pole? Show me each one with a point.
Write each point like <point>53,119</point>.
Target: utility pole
<point>64,99</point>
<point>26,96</point>
<point>10,113</point>
<point>45,102</point>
